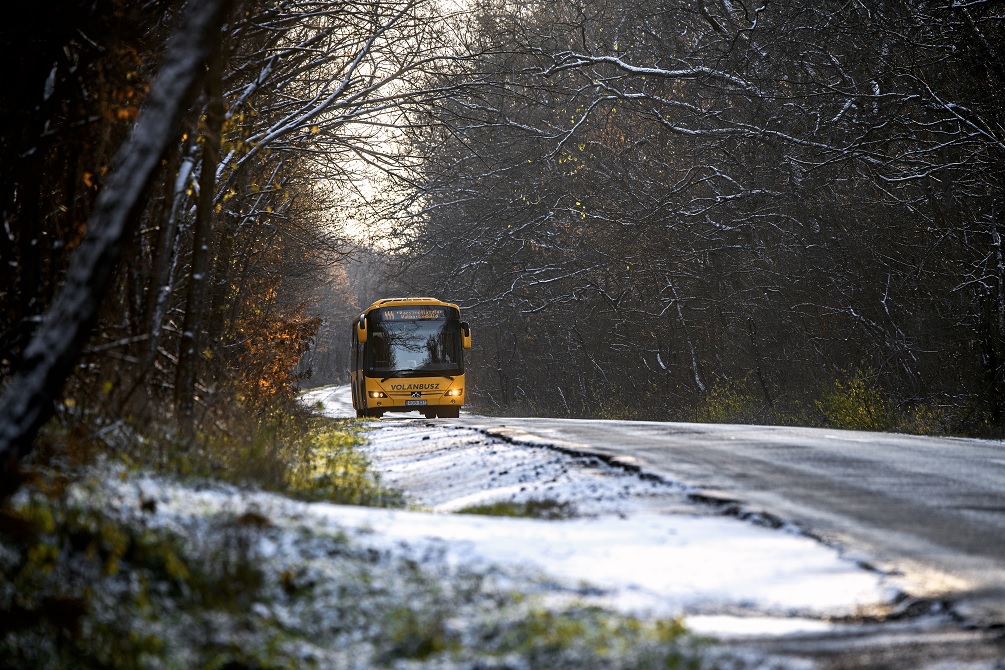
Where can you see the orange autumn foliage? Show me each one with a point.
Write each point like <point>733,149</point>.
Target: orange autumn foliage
<point>270,339</point>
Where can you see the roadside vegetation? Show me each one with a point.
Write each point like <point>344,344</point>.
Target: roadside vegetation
<point>87,580</point>
<point>855,400</point>
<point>534,509</point>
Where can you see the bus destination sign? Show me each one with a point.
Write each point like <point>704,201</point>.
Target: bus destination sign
<point>415,313</point>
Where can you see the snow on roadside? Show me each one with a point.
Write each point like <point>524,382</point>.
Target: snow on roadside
<point>448,468</point>
<point>324,585</point>
<point>635,544</point>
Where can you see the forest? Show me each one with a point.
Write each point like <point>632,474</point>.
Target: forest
<point>783,212</point>
<point>759,211</point>
<point>768,212</point>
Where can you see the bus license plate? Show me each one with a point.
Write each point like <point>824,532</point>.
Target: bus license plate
<point>414,403</point>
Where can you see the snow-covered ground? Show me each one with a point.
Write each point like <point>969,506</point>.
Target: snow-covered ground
<point>634,544</point>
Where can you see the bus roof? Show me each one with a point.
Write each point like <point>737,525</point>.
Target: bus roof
<point>387,302</point>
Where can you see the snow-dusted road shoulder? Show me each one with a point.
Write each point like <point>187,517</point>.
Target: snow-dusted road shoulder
<point>634,543</point>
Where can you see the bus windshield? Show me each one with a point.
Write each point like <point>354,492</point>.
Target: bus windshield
<point>414,340</point>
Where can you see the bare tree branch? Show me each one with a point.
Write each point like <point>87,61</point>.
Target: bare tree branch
<point>27,401</point>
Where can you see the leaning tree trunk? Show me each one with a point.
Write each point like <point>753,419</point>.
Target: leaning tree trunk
<point>198,280</point>
<point>27,401</point>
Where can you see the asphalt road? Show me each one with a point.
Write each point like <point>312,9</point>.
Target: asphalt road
<point>932,509</point>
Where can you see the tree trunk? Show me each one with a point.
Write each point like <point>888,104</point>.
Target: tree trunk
<point>199,280</point>
<point>27,402</point>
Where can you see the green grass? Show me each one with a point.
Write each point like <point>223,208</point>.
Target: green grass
<point>536,509</point>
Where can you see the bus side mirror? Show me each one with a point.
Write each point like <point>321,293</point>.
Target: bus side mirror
<point>361,330</point>
<point>465,335</point>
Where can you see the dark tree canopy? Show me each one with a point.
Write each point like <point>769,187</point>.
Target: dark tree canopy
<point>727,211</point>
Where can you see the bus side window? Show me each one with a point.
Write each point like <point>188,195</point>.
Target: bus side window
<point>379,350</point>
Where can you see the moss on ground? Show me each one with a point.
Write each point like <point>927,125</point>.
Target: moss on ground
<point>535,509</point>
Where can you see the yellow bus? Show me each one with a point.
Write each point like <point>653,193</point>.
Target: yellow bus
<point>408,355</point>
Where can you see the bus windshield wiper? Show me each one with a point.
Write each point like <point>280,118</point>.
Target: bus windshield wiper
<point>430,373</point>
<point>398,373</point>
<point>411,372</point>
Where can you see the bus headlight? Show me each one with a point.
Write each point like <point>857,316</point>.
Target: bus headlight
<point>377,394</point>
<point>454,392</point>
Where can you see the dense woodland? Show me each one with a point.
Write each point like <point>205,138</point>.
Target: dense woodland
<point>769,211</point>
<point>780,211</point>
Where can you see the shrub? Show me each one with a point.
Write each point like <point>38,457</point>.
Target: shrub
<point>857,403</point>
<point>728,401</point>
